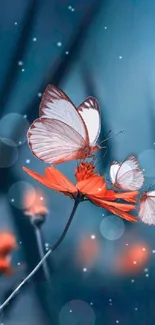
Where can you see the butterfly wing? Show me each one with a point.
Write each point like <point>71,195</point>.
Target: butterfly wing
<point>147,208</point>
<point>54,141</point>
<point>60,133</point>
<point>55,104</point>
<point>90,113</point>
<point>129,176</point>
<point>113,171</point>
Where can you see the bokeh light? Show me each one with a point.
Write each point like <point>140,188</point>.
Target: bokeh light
<point>77,312</point>
<point>14,126</point>
<point>112,227</point>
<point>87,250</point>
<point>133,258</point>
<point>8,153</point>
<point>17,192</point>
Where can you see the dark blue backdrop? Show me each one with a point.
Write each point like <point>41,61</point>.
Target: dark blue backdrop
<point>100,48</point>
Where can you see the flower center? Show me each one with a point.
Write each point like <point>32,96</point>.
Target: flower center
<point>84,171</point>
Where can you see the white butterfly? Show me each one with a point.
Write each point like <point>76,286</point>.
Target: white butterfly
<point>64,132</point>
<point>127,176</point>
<point>147,208</point>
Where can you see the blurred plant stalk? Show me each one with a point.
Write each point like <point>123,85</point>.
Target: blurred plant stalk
<point>36,209</point>
<point>41,249</point>
<point>43,259</point>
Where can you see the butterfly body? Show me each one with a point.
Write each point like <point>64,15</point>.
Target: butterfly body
<point>64,132</point>
<point>89,151</point>
<point>144,197</point>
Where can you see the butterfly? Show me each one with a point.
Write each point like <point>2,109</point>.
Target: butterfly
<point>127,176</point>
<point>64,132</point>
<point>147,208</point>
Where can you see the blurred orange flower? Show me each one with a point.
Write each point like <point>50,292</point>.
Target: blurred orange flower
<point>87,250</point>
<point>90,185</point>
<point>37,207</point>
<point>7,245</point>
<point>133,258</point>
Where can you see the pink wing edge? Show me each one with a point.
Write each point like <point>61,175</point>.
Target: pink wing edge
<point>59,94</point>
<point>95,107</point>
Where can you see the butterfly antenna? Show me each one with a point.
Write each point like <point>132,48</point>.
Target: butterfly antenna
<point>148,188</point>
<point>108,138</point>
<point>94,158</point>
<point>151,187</point>
<point>102,156</point>
<point>108,133</point>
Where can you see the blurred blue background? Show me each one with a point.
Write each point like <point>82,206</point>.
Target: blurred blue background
<point>105,49</point>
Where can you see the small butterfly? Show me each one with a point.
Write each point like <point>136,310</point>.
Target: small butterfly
<point>127,176</point>
<point>147,208</point>
<point>64,132</point>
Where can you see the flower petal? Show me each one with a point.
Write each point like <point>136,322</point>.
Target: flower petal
<point>62,183</point>
<point>109,196</point>
<point>84,171</point>
<point>120,213</point>
<point>42,179</point>
<point>121,206</point>
<point>127,196</point>
<point>95,185</point>
<point>54,179</point>
<point>116,208</point>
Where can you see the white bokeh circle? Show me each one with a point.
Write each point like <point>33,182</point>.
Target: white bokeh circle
<point>8,153</point>
<point>14,126</point>
<point>17,191</point>
<point>77,312</point>
<point>112,227</point>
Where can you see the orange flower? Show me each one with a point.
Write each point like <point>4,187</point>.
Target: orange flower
<point>7,244</point>
<point>37,207</point>
<point>84,171</point>
<point>91,186</point>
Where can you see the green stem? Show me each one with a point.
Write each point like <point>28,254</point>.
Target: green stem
<point>55,246</point>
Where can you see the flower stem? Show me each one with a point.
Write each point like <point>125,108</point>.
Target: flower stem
<point>41,251</point>
<point>55,246</point>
